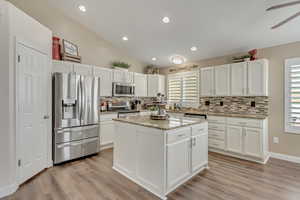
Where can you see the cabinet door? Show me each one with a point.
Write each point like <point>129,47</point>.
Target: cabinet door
<point>222,80</point>
<point>235,139</point>
<point>105,80</point>
<point>207,81</point>
<point>85,70</point>
<point>238,83</point>
<point>62,67</point>
<point>118,76</point>
<point>153,85</point>
<point>162,84</point>
<point>253,143</point>
<point>140,81</point>
<point>128,77</point>
<point>178,167</point>
<point>199,151</point>
<point>257,78</point>
<point>107,130</point>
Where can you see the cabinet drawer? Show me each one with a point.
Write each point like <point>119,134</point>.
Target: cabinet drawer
<point>177,135</point>
<point>215,119</point>
<point>214,134</point>
<point>213,126</point>
<point>199,129</point>
<point>108,117</point>
<point>245,122</point>
<point>216,144</point>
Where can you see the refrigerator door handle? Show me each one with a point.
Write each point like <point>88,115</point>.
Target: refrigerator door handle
<point>79,96</point>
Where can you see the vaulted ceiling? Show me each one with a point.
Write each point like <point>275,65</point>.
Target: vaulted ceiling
<point>215,27</point>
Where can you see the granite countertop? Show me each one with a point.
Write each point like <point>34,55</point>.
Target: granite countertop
<point>169,124</point>
<point>116,112</point>
<point>240,115</point>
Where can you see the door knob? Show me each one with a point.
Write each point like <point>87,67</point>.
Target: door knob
<point>46,117</point>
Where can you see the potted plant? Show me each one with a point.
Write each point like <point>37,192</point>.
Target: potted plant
<point>120,65</point>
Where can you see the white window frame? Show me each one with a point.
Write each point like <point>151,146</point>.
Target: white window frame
<point>288,127</point>
<point>181,74</point>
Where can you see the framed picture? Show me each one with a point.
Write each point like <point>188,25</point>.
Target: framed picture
<point>69,48</point>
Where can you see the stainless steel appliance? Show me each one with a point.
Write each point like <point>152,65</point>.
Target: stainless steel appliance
<point>118,105</point>
<point>75,116</point>
<point>123,89</point>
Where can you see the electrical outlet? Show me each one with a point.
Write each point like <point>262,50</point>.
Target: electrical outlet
<point>275,140</point>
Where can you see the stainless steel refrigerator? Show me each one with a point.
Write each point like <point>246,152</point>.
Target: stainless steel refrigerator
<point>75,116</point>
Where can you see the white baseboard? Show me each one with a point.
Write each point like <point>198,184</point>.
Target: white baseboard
<point>106,146</point>
<point>8,190</point>
<point>285,157</point>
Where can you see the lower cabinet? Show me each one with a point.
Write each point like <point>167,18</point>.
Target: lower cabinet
<point>235,139</point>
<point>107,130</point>
<point>253,142</point>
<point>178,166</point>
<point>245,138</point>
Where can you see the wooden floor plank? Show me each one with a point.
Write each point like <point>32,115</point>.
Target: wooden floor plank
<point>227,179</point>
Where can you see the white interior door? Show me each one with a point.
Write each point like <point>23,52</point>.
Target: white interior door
<point>32,100</point>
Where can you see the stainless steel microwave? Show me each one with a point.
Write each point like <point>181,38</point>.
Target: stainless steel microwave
<point>123,89</point>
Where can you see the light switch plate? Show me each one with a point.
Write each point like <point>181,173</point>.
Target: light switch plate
<point>275,140</point>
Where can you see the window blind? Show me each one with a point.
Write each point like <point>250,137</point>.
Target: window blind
<point>183,88</point>
<point>292,97</point>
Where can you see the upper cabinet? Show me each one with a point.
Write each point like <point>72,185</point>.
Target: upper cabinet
<point>156,84</point>
<point>207,81</point>
<point>122,76</point>
<point>140,81</point>
<point>222,80</point>
<point>106,79</point>
<point>62,67</point>
<point>239,79</point>
<point>85,70</point>
<point>257,78</point>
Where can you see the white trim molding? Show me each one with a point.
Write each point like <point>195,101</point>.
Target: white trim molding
<point>8,190</point>
<point>285,157</point>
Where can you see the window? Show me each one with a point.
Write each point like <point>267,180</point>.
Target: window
<point>292,95</point>
<point>183,88</point>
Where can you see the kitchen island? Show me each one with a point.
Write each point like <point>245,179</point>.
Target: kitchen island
<point>160,155</point>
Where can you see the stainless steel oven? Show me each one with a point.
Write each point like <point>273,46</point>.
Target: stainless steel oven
<point>123,89</point>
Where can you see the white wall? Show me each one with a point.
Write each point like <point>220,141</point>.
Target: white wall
<point>25,28</point>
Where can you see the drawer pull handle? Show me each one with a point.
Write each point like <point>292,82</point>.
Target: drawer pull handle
<point>181,135</point>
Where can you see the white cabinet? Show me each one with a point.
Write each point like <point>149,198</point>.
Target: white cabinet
<point>253,142</point>
<point>140,81</point>
<point>156,84</point>
<point>85,70</point>
<point>235,139</point>
<point>258,78</point>
<point>199,151</point>
<point>106,76</point>
<point>222,80</point>
<point>238,79</point>
<point>107,130</point>
<point>207,81</point>
<point>178,166</point>
<point>62,67</point>
<point>122,76</point>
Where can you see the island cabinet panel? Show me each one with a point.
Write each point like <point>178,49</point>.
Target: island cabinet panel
<point>178,167</point>
<point>150,158</point>
<point>199,151</point>
<point>125,148</point>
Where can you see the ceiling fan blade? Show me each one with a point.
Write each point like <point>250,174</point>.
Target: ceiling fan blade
<point>287,20</point>
<point>283,5</point>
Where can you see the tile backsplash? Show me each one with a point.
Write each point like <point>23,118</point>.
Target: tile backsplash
<point>235,105</point>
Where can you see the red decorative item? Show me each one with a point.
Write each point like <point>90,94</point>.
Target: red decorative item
<point>253,54</point>
<point>55,48</point>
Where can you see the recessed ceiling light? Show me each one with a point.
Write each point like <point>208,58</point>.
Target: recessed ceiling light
<point>177,59</point>
<point>166,20</point>
<point>82,8</point>
<point>154,59</point>
<point>125,38</point>
<point>194,49</point>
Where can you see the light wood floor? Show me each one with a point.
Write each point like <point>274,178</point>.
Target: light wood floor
<point>228,179</point>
